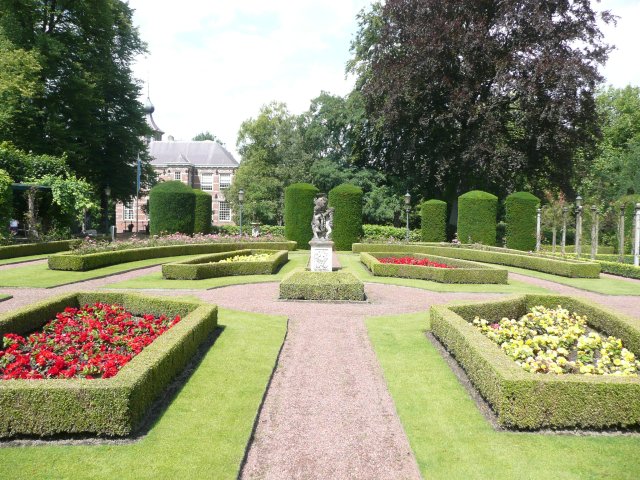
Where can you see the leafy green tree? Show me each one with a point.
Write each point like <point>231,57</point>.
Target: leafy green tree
<point>73,196</point>
<point>203,136</point>
<point>28,167</point>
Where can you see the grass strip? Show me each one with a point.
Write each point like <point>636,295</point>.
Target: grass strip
<point>451,439</point>
<point>5,296</point>
<point>29,258</point>
<point>204,431</point>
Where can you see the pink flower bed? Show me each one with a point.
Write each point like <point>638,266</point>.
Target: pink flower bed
<point>422,262</point>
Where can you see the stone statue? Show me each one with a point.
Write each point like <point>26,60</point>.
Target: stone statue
<point>322,220</point>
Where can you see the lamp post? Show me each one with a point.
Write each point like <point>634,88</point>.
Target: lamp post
<point>241,200</point>
<point>407,207</point>
<point>578,226</point>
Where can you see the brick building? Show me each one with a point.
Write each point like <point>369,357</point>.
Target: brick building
<point>205,165</point>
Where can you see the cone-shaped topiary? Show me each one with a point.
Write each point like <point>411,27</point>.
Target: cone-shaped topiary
<point>298,212</point>
<point>477,211</point>
<point>433,214</point>
<point>172,208</point>
<point>202,220</point>
<point>347,217</point>
<point>520,217</point>
<point>629,211</point>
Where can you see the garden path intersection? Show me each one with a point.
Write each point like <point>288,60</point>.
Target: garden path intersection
<point>327,412</point>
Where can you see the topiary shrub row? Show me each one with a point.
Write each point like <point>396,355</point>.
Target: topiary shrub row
<point>464,272</point>
<point>564,267</point>
<point>26,249</point>
<point>529,401</point>
<point>477,212</point>
<point>620,269</point>
<point>433,214</point>
<point>520,218</point>
<point>324,286</point>
<point>208,266</point>
<point>347,217</point>
<point>202,212</point>
<point>382,233</point>
<point>113,406</point>
<point>275,230</point>
<point>298,213</point>
<point>172,208</point>
<point>91,261</point>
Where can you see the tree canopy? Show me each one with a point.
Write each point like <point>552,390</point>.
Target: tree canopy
<point>204,136</point>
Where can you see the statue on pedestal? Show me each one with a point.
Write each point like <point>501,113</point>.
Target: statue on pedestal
<point>322,221</point>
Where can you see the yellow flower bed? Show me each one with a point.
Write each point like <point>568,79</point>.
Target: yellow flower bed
<point>256,257</point>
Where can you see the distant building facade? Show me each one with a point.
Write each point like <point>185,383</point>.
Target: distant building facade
<point>205,165</point>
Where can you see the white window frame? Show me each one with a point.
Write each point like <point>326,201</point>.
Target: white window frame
<point>177,176</point>
<point>226,217</point>
<point>225,185</point>
<point>128,212</point>
<point>206,186</point>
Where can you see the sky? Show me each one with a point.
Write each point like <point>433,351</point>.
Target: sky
<point>212,63</point>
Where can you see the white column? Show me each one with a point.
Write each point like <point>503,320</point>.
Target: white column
<point>636,240</point>
<point>538,228</point>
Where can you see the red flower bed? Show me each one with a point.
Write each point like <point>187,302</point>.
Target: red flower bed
<point>91,342</point>
<point>422,262</point>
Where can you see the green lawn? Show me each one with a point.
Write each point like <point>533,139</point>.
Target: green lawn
<point>297,260</point>
<point>451,439</point>
<point>6,261</point>
<point>606,286</point>
<point>351,262</point>
<point>40,275</point>
<point>4,296</point>
<point>202,434</point>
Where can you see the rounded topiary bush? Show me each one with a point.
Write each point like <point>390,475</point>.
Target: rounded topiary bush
<point>477,211</point>
<point>203,211</point>
<point>433,214</point>
<point>298,212</point>
<point>520,217</point>
<point>172,208</point>
<point>347,217</point>
<point>629,211</point>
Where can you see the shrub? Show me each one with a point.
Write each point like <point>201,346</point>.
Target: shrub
<point>565,267</point>
<point>347,218</point>
<point>477,211</point>
<point>208,266</point>
<point>526,400</point>
<point>298,213</point>
<point>265,230</point>
<point>433,214</point>
<point>629,211</point>
<point>26,249</point>
<point>113,406</point>
<point>322,286</point>
<point>203,212</point>
<point>621,269</point>
<point>386,233</point>
<point>91,261</point>
<point>464,271</point>
<point>6,203</point>
<point>520,216</point>
<point>172,208</point>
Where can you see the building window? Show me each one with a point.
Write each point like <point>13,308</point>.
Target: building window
<point>206,182</point>
<point>224,211</point>
<point>128,213</point>
<point>225,180</point>
<point>177,175</point>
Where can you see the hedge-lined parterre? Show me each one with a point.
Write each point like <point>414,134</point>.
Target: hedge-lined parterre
<point>106,407</point>
<point>464,271</point>
<point>210,266</point>
<point>524,400</point>
<point>81,263</point>
<point>26,249</point>
<point>323,286</point>
<point>564,267</point>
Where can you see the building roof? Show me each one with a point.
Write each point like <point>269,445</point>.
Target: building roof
<point>197,154</point>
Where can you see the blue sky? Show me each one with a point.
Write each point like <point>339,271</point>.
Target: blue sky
<point>213,64</point>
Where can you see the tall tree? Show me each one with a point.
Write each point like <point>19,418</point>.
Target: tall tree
<point>204,136</point>
<point>487,94</point>
<point>88,106</point>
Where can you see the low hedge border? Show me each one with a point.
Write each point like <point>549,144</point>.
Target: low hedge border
<point>207,266</point>
<point>529,401</point>
<point>323,286</point>
<point>91,261</point>
<point>586,249</point>
<point>621,269</point>
<point>514,258</point>
<point>105,407</point>
<point>465,272</point>
<point>26,249</point>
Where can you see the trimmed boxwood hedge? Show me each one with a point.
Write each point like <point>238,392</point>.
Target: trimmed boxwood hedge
<point>208,266</point>
<point>323,286</point>
<point>477,212</point>
<point>621,269</point>
<point>26,249</point>
<point>106,407</point>
<point>298,213</point>
<point>172,207</point>
<point>520,217</point>
<point>564,267</point>
<point>91,261</point>
<point>347,218</point>
<point>529,401</point>
<point>203,212</point>
<point>433,214</point>
<point>465,272</point>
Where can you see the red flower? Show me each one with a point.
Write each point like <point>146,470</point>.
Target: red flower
<point>423,262</point>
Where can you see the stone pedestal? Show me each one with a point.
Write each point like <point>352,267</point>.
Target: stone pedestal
<point>321,259</point>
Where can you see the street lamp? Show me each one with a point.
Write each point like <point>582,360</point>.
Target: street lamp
<point>407,207</point>
<point>240,200</point>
